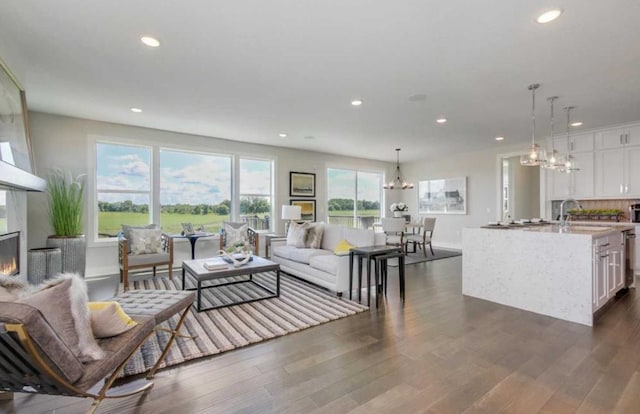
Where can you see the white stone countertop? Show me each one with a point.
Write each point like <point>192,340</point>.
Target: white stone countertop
<point>585,228</point>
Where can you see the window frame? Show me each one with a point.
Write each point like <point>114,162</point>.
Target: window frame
<point>154,206</point>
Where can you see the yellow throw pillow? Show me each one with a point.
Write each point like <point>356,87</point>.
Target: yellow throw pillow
<point>108,319</point>
<point>343,248</point>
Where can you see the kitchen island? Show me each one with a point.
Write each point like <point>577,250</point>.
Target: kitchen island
<point>566,274</point>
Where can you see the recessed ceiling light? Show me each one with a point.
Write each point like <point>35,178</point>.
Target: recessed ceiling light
<point>150,41</point>
<point>549,16</point>
<point>576,124</point>
<point>136,110</point>
<point>356,102</point>
<point>441,120</point>
<point>309,137</point>
<point>499,138</point>
<point>282,135</point>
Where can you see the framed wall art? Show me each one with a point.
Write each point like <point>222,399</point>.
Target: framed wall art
<point>308,208</point>
<point>443,196</point>
<point>15,146</point>
<point>302,184</point>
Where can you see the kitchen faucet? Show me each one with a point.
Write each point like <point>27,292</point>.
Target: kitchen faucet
<point>564,221</point>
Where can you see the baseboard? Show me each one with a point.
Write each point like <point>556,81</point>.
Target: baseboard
<point>449,246</point>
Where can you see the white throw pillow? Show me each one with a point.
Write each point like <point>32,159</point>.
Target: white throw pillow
<point>235,233</point>
<point>145,241</point>
<point>297,234</point>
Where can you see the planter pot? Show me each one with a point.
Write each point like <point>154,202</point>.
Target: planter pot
<point>43,263</point>
<point>74,252</point>
<point>397,214</point>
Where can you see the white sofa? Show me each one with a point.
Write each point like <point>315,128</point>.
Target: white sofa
<point>321,266</point>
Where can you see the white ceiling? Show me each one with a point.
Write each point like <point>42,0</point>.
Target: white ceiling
<point>248,69</point>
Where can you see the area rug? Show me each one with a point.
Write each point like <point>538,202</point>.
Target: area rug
<point>418,257</point>
<point>299,306</point>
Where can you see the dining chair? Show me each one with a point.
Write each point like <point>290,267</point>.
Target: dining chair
<point>423,237</point>
<point>394,229</point>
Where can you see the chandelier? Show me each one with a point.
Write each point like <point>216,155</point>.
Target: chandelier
<point>555,160</point>
<point>535,155</point>
<point>570,165</point>
<point>398,183</point>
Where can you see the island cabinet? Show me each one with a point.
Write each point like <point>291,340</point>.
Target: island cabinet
<point>608,268</point>
<point>564,273</point>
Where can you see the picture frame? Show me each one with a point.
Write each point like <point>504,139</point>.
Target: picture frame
<point>302,184</point>
<point>187,229</point>
<point>308,209</point>
<point>443,196</point>
<point>14,125</point>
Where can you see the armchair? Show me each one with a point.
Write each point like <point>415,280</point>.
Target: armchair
<point>237,232</point>
<point>143,247</point>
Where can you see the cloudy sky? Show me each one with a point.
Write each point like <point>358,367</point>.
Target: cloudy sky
<point>342,184</point>
<point>185,178</point>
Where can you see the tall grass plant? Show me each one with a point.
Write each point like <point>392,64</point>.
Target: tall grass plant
<point>66,195</point>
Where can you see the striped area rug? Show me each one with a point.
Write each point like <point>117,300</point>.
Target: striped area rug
<point>299,306</point>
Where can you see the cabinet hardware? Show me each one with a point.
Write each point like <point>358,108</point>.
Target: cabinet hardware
<point>626,138</point>
<point>621,189</point>
<point>626,188</point>
<point>621,138</point>
<point>605,245</point>
<point>603,256</point>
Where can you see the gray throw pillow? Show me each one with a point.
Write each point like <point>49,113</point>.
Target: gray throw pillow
<point>313,236</point>
<point>63,303</point>
<point>126,230</point>
<point>235,233</point>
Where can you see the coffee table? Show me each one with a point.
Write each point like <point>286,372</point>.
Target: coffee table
<point>241,275</point>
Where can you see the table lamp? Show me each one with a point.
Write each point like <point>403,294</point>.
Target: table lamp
<point>290,213</point>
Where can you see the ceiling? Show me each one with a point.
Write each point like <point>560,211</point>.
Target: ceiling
<point>247,70</point>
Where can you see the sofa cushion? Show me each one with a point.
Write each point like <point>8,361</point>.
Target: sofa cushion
<point>358,237</point>
<point>283,251</point>
<point>147,259</point>
<point>326,263</point>
<point>331,236</point>
<point>305,255</point>
<point>55,352</point>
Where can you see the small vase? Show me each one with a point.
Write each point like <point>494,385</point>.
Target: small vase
<point>397,214</point>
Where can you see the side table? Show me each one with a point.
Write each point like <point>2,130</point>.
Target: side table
<point>369,253</point>
<point>267,245</point>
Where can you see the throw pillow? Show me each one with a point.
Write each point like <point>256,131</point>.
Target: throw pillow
<point>145,241</point>
<point>108,319</point>
<point>63,303</point>
<point>313,236</point>
<point>342,248</point>
<point>126,230</point>
<point>235,233</point>
<point>296,235</point>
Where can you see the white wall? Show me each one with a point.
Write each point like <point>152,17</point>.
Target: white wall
<point>525,203</point>
<point>62,142</point>
<point>480,168</point>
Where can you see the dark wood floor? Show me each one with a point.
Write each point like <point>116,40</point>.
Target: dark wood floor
<point>440,353</point>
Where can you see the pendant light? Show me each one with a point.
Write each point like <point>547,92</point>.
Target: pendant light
<point>554,161</point>
<point>398,182</point>
<point>535,155</point>
<point>570,165</point>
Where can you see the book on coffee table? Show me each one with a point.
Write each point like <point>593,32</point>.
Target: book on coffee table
<point>215,265</point>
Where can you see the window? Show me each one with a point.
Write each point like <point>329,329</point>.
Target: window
<point>3,212</point>
<point>123,187</point>
<point>354,197</point>
<point>194,188</point>
<point>138,185</point>
<point>256,192</point>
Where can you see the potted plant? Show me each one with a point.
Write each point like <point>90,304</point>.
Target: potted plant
<point>398,208</point>
<point>66,204</point>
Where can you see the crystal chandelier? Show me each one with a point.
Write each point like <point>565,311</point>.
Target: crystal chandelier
<point>535,155</point>
<point>555,161</point>
<point>570,165</point>
<point>398,182</point>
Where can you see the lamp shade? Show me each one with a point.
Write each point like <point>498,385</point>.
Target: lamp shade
<point>291,212</point>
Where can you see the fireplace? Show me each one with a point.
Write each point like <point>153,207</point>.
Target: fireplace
<point>10,254</point>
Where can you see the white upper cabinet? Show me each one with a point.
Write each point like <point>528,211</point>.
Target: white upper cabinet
<point>618,138</point>
<point>577,143</point>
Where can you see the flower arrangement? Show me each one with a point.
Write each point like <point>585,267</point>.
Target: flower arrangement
<point>237,254</point>
<point>399,207</point>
